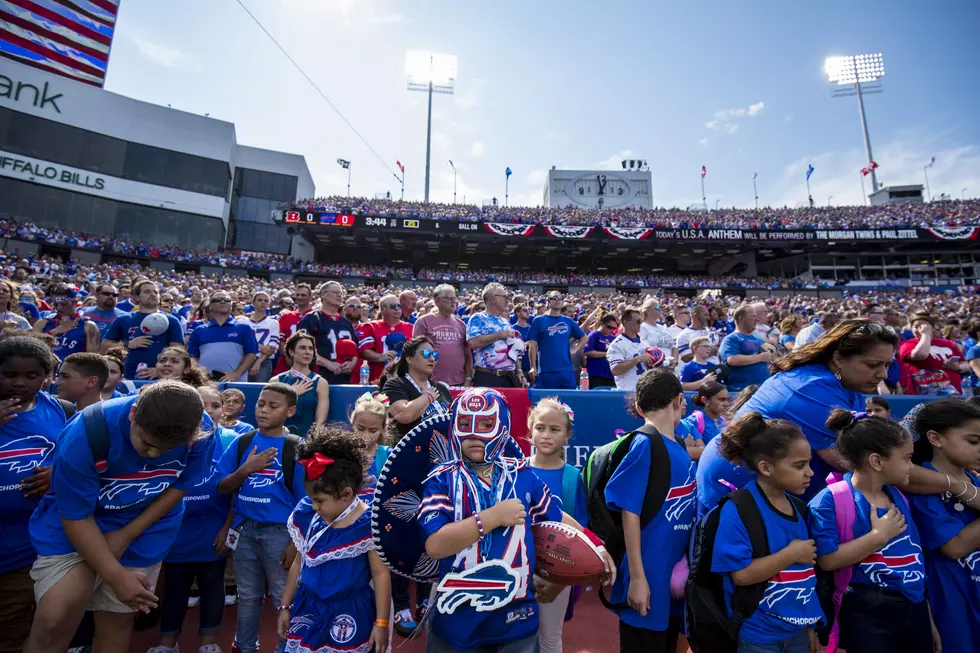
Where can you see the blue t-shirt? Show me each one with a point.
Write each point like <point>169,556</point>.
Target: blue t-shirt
<point>953,585</point>
<point>29,310</point>
<point>553,335</point>
<point>240,427</point>
<point>739,344</point>
<point>263,497</point>
<point>786,338</point>
<point>789,602</point>
<point>553,479</point>
<point>125,305</point>
<point>598,366</point>
<point>466,627</point>
<point>221,347</point>
<point>72,342</point>
<point>26,441</point>
<point>695,371</point>
<point>715,474</point>
<point>897,566</point>
<point>806,396</point>
<point>205,511</point>
<point>523,330</point>
<point>971,353</point>
<point>127,327</point>
<point>102,319</point>
<point>118,489</point>
<point>664,540</point>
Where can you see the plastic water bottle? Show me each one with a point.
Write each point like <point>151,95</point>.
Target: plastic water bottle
<point>365,373</point>
<point>583,380</point>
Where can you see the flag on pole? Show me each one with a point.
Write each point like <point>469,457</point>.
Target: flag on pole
<point>508,172</point>
<point>754,175</point>
<point>931,161</point>
<point>868,170</point>
<point>400,166</point>
<point>451,164</point>
<point>704,171</point>
<point>809,171</point>
<point>343,164</point>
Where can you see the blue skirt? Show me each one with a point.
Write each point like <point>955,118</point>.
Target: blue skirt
<point>341,624</point>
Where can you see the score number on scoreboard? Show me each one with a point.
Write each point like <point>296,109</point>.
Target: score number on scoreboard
<point>329,219</point>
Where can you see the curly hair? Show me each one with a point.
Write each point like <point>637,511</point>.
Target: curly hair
<point>192,375</point>
<point>347,451</point>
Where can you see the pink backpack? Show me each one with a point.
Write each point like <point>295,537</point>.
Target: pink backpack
<point>844,511</point>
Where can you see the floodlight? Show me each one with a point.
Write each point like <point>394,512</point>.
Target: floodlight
<point>848,70</point>
<point>431,68</point>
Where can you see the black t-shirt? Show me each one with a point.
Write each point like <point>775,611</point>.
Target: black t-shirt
<point>398,388</point>
<point>327,330</point>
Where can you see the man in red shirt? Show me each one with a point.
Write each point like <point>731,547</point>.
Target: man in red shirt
<point>381,342</point>
<point>933,366</point>
<point>289,321</point>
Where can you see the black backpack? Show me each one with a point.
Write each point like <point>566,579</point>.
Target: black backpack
<point>711,628</point>
<point>608,524</point>
<point>288,454</point>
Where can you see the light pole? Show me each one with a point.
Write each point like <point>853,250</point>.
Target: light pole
<point>856,75</point>
<point>453,166</point>
<point>430,72</point>
<point>755,190</point>
<point>829,200</point>
<point>925,171</point>
<point>717,202</point>
<point>346,166</point>
<point>963,194</point>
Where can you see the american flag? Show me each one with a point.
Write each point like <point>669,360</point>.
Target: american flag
<point>71,38</point>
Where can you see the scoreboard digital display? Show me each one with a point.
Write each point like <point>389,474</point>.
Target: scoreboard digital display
<point>319,218</point>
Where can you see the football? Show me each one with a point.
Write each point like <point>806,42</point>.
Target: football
<point>564,555</point>
<point>657,355</point>
<point>154,324</point>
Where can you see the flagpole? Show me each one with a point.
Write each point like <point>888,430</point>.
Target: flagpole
<point>704,198</point>
<point>925,171</point>
<point>506,189</point>
<point>863,192</point>
<point>348,178</point>
<point>809,195</point>
<point>755,189</point>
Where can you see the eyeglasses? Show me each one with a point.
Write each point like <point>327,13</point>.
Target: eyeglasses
<point>61,300</point>
<point>429,353</point>
<point>394,307</point>
<point>109,294</point>
<point>554,298</point>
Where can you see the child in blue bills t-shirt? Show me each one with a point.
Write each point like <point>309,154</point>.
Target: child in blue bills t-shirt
<point>789,610</point>
<point>652,621</point>
<point>263,503</point>
<point>107,524</point>
<point>476,515</point>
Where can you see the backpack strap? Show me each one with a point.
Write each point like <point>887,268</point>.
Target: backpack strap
<point>289,459</point>
<point>68,407</point>
<point>97,434</point>
<point>569,487</point>
<point>245,444</point>
<point>658,483</point>
<point>381,457</point>
<point>745,599</point>
<point>699,421</point>
<point>844,510</point>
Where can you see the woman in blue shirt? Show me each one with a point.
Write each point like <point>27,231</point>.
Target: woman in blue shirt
<point>312,390</point>
<point>711,410</point>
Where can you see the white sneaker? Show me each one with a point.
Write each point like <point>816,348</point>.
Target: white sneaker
<point>209,648</point>
<point>164,649</point>
<point>230,600</point>
<point>193,601</point>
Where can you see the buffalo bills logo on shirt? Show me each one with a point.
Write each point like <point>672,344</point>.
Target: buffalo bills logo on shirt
<point>558,329</point>
<point>394,341</point>
<point>680,498</point>
<point>796,585</point>
<point>265,477</point>
<point>901,558</point>
<point>24,454</point>
<point>132,487</point>
<point>972,562</point>
<point>133,332</point>
<point>484,587</point>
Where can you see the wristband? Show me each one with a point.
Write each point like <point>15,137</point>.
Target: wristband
<point>599,544</point>
<point>381,623</point>
<point>280,608</point>
<point>479,524</point>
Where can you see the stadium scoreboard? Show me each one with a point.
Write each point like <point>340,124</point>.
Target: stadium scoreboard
<point>598,189</point>
<point>318,218</point>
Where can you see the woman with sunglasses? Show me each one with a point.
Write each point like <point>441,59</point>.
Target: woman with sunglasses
<point>412,395</point>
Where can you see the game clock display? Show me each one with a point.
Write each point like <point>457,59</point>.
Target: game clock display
<point>318,218</point>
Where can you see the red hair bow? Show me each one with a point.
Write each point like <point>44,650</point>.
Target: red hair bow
<point>315,465</point>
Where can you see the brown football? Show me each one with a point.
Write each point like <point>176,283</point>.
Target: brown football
<point>564,555</point>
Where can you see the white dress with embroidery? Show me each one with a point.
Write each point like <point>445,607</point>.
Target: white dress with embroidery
<point>334,609</point>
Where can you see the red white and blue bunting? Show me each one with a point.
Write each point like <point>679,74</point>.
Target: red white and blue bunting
<point>628,233</point>
<point>567,231</point>
<point>954,233</point>
<point>502,229</point>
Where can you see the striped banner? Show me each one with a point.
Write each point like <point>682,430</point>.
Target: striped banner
<point>71,38</point>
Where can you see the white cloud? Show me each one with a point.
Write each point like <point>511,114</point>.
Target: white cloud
<point>163,55</point>
<point>615,161</point>
<point>477,149</point>
<point>726,119</point>
<point>703,142</point>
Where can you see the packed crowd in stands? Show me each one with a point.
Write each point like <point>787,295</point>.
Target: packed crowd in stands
<point>951,213</point>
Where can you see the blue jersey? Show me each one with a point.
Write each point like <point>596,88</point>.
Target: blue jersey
<point>26,441</point>
<point>241,428</point>
<point>205,511</point>
<point>953,585</point>
<point>221,347</point>
<point>101,319</point>
<point>523,330</point>
<point>263,497</point>
<point>898,566</point>
<point>125,306</point>
<point>739,344</point>
<point>695,371</point>
<point>72,342</point>
<point>664,540</point>
<point>574,506</point>
<point>118,489</point>
<point>789,602</point>
<point>553,335</point>
<point>806,396</point>
<point>127,327</point>
<point>468,627</point>
<point>718,477</point>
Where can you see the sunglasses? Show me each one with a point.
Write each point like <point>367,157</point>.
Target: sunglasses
<point>109,294</point>
<point>430,353</point>
<point>394,307</point>
<point>221,300</point>
<point>871,328</point>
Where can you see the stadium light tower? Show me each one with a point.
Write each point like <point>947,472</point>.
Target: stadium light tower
<point>857,75</point>
<point>430,72</point>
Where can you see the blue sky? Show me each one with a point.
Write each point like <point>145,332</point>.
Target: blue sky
<point>735,86</point>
